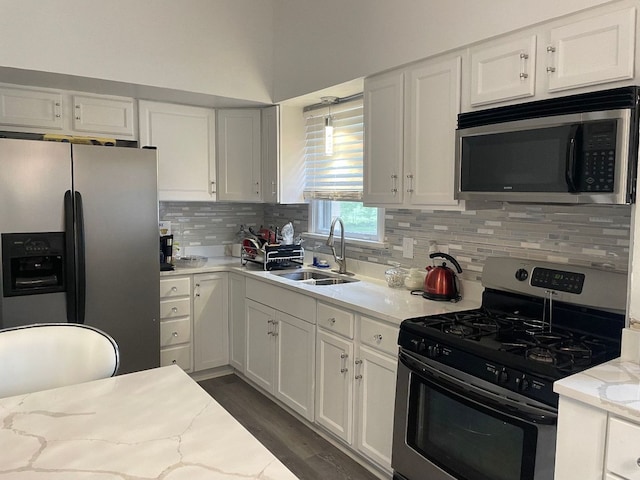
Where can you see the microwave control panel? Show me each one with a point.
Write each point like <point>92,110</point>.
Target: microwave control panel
<point>597,166</point>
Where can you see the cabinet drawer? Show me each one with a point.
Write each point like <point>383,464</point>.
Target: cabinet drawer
<point>335,319</point>
<point>623,454</point>
<point>379,335</point>
<point>175,287</point>
<point>173,332</point>
<point>180,356</point>
<point>179,307</point>
<point>296,304</point>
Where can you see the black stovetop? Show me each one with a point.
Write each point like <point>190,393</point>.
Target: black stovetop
<point>519,332</point>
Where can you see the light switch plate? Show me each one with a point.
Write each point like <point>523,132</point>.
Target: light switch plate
<point>407,247</point>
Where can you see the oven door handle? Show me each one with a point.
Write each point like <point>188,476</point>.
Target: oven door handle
<point>477,395</point>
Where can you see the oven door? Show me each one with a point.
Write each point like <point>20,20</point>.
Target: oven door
<point>446,428</point>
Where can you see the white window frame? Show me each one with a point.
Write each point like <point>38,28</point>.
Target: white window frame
<point>314,212</point>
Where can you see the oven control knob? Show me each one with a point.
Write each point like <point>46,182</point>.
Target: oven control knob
<point>522,274</point>
<point>434,351</point>
<point>418,345</point>
<point>523,383</point>
<point>502,376</point>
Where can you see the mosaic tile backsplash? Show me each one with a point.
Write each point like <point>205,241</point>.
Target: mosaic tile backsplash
<point>596,236</point>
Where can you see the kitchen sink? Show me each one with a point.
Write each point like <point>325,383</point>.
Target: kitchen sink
<point>315,278</point>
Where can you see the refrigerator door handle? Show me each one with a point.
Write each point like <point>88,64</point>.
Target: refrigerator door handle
<point>80,271</point>
<point>70,266</point>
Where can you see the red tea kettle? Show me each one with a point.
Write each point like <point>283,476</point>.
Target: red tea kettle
<point>441,282</point>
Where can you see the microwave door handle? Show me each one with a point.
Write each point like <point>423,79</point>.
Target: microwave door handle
<point>572,152</point>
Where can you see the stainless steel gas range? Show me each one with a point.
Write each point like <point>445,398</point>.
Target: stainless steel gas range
<point>475,396</point>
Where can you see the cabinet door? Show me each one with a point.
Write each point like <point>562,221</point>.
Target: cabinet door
<point>239,169</point>
<point>25,107</point>
<point>184,137</point>
<point>93,114</point>
<point>270,153</point>
<point>432,107</point>
<point>383,143</point>
<point>210,321</point>
<point>260,346</point>
<point>295,361</point>
<point>375,376</point>
<point>503,71</point>
<point>334,385</point>
<point>592,51</point>
<point>237,337</point>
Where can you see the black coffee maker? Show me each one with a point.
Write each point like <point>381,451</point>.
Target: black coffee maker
<point>166,252</point>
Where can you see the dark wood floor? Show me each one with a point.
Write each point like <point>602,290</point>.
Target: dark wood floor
<point>304,452</point>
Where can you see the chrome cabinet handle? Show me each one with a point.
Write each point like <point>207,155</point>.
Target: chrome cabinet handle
<point>213,187</point>
<point>358,375</point>
<point>276,323</point>
<point>394,183</point>
<point>410,189</point>
<point>378,337</point>
<point>523,66</point>
<point>270,327</point>
<point>332,320</point>
<point>550,51</point>
<point>257,188</point>
<point>174,361</point>
<point>358,361</point>
<point>175,334</point>
<point>174,309</point>
<point>344,357</point>
<point>273,187</point>
<point>174,289</point>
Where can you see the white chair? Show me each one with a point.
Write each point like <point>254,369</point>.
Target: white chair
<point>49,355</point>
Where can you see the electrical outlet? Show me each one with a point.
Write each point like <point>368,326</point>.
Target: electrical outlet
<point>407,247</point>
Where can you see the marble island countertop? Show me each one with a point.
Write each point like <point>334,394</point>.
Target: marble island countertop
<point>370,295</point>
<point>154,424</point>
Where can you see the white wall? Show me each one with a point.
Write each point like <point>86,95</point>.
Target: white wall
<point>320,43</point>
<point>215,47</point>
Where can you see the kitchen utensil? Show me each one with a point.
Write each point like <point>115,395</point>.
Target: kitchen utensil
<point>441,282</point>
<point>251,247</point>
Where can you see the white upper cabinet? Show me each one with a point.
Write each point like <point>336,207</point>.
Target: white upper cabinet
<point>583,52</point>
<point>595,50</point>
<point>185,139</point>
<point>26,107</point>
<point>503,71</point>
<point>384,138</point>
<point>410,121</point>
<point>432,106</point>
<point>239,155</point>
<point>94,114</point>
<point>270,153</point>
<point>35,110</point>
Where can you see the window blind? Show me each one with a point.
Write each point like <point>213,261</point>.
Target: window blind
<point>337,176</point>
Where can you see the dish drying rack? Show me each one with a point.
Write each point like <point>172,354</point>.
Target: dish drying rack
<point>275,257</point>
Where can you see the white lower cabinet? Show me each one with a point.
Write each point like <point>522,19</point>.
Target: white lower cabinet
<point>210,321</point>
<point>355,381</point>
<point>194,332</point>
<point>175,322</point>
<point>237,336</point>
<point>375,397</point>
<point>280,354</point>
<point>622,457</point>
<point>334,397</point>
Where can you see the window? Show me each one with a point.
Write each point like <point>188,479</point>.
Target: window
<point>333,170</point>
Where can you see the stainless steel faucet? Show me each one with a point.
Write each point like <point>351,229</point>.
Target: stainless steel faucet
<point>342,259</point>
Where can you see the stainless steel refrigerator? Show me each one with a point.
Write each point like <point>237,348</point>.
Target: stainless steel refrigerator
<point>79,228</point>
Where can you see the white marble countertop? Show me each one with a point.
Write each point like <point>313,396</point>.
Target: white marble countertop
<point>154,424</point>
<point>613,386</point>
<point>370,295</point>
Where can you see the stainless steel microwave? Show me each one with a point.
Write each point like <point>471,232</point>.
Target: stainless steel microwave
<point>576,149</point>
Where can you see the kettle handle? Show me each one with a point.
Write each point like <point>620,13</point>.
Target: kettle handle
<point>447,257</point>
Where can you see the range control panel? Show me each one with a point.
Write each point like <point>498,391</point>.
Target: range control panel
<point>557,280</point>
